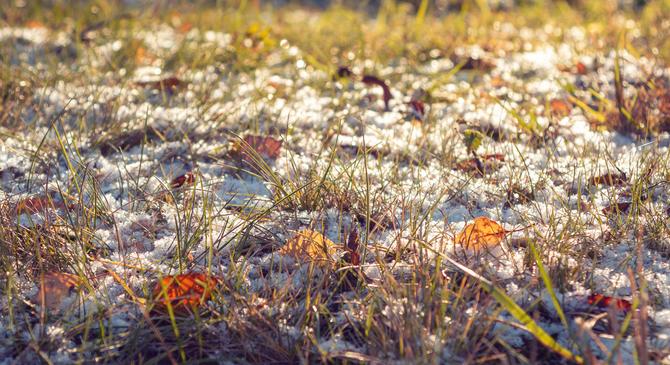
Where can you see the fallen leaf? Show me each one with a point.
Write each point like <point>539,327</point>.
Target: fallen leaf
<point>352,256</point>
<point>183,292</point>
<point>487,163</point>
<point>308,245</point>
<point>580,68</point>
<point>267,147</point>
<point>37,204</point>
<point>374,80</point>
<point>479,64</point>
<point>169,84</point>
<point>559,107</point>
<point>609,179</point>
<point>617,207</point>
<point>604,301</point>
<point>126,140</point>
<point>179,181</point>
<point>497,81</point>
<point>55,288</point>
<point>418,109</point>
<point>343,72</point>
<point>481,234</point>
<point>35,24</point>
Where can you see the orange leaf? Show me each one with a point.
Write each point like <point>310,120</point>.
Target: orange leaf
<point>308,245</point>
<point>183,292</point>
<point>35,24</point>
<point>560,107</point>
<point>57,286</point>
<point>481,234</point>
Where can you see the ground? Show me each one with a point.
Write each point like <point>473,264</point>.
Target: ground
<point>248,184</point>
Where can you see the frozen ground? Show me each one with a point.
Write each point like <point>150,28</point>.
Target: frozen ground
<point>106,145</point>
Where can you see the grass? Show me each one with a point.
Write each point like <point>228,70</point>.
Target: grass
<point>411,299</point>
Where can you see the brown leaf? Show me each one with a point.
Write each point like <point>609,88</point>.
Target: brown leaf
<point>487,163</point>
<point>352,255</point>
<point>38,204</point>
<point>374,80</point>
<point>478,64</point>
<point>55,288</point>
<point>267,147</point>
<point>609,179</point>
<point>618,207</point>
<point>169,84</point>
<point>343,72</point>
<point>126,140</point>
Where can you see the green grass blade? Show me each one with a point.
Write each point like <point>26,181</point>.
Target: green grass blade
<point>547,283</point>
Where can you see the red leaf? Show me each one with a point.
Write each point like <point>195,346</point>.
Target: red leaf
<point>179,181</point>
<point>604,301</point>
<point>580,68</point>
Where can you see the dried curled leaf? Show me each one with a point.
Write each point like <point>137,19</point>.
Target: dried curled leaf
<point>183,292</point>
<point>308,245</point>
<point>55,288</point>
<point>374,80</point>
<point>483,233</point>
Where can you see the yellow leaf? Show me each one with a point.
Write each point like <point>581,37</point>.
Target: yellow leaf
<point>309,245</point>
<point>481,234</point>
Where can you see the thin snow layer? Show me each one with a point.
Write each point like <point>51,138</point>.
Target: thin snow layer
<point>342,128</point>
